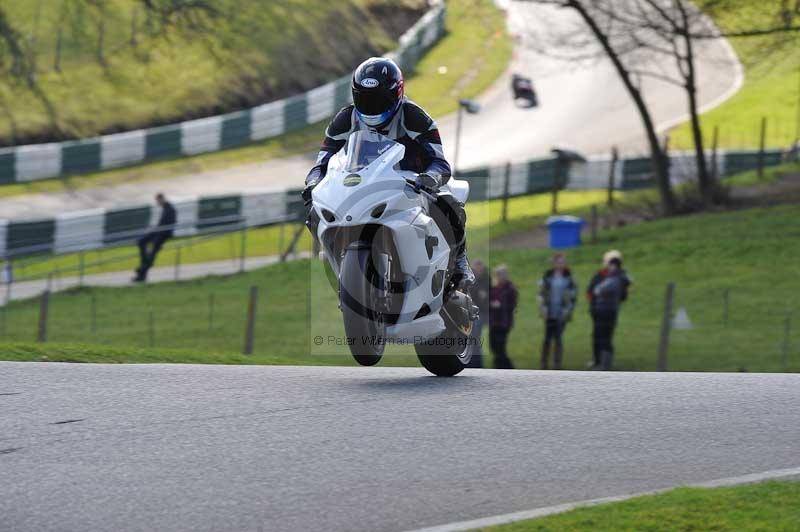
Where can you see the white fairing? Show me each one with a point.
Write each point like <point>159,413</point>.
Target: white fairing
<point>354,186</point>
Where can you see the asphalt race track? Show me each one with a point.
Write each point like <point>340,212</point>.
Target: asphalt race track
<point>168,447</point>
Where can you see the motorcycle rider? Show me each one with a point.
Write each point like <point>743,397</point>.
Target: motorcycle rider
<point>379,104</point>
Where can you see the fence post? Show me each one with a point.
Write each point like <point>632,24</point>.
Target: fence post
<point>554,192</point>
<point>714,160</point>
<point>666,325</point>
<point>44,305</point>
<point>761,146</point>
<point>506,179</point>
<point>81,265</point>
<point>612,175</point>
<point>94,312</point>
<point>211,311</point>
<point>151,329</point>
<point>594,224</point>
<point>177,262</point>
<point>243,250</point>
<point>282,228</point>
<point>251,321</point>
<point>787,332</point>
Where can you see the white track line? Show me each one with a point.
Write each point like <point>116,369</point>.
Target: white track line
<point>560,508</point>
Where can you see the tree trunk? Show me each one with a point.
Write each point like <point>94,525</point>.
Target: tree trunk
<point>704,178</point>
<point>659,159</point>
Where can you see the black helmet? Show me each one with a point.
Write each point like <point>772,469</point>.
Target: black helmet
<point>377,90</point>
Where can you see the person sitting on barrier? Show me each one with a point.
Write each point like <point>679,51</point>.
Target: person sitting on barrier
<point>380,105</point>
<point>150,244</point>
<point>606,292</point>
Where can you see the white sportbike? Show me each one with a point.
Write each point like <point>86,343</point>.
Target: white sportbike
<point>392,261</point>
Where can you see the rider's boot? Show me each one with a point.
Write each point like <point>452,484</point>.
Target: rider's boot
<point>463,277</point>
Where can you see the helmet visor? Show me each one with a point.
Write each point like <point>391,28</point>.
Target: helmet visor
<point>373,102</point>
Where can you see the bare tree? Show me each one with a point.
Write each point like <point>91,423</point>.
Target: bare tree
<point>659,39</point>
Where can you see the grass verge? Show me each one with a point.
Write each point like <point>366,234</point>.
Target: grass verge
<point>773,506</point>
<point>771,88</point>
<point>734,272</point>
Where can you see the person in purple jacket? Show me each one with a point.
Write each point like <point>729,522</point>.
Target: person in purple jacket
<point>502,303</point>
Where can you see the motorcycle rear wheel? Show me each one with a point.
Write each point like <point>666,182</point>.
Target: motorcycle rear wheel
<point>447,354</point>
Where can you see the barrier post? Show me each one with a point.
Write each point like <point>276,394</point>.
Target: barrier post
<point>94,312</point>
<point>44,306</point>
<point>761,146</point>
<point>612,174</point>
<point>666,326</point>
<point>506,179</point>
<point>251,321</point>
<point>243,250</point>
<point>714,160</point>
<point>177,262</point>
<point>594,224</point>
<point>81,265</point>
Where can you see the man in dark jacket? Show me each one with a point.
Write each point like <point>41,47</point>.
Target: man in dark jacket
<point>607,290</point>
<point>480,293</point>
<point>557,295</point>
<point>150,244</point>
<point>502,303</point>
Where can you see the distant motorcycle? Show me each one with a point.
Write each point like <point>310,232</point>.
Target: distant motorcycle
<point>522,88</point>
<point>392,261</point>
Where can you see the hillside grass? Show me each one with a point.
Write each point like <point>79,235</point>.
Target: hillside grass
<point>121,67</point>
<point>747,254</point>
<point>771,87</point>
<point>771,506</point>
<point>475,51</point>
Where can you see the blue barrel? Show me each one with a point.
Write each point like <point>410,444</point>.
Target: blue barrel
<point>565,231</point>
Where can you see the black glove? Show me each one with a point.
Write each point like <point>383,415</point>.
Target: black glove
<point>427,182</point>
<point>307,192</point>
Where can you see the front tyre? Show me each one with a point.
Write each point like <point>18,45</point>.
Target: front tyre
<point>359,294</point>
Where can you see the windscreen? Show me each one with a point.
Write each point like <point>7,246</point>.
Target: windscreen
<point>364,147</point>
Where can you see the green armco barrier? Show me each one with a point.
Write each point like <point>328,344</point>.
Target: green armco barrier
<point>478,185</point>
<point>235,129</point>
<point>211,210</point>
<point>81,157</point>
<point>736,162</point>
<point>35,237</point>
<point>637,173</point>
<point>8,164</point>
<point>163,142</point>
<point>295,207</point>
<point>541,174</point>
<point>125,224</point>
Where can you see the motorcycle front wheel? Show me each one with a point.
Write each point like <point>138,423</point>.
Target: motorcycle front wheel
<point>359,291</point>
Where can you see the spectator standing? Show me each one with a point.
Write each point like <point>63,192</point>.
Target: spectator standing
<point>607,291</point>
<point>557,295</point>
<point>480,293</point>
<point>150,244</point>
<point>502,303</point>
